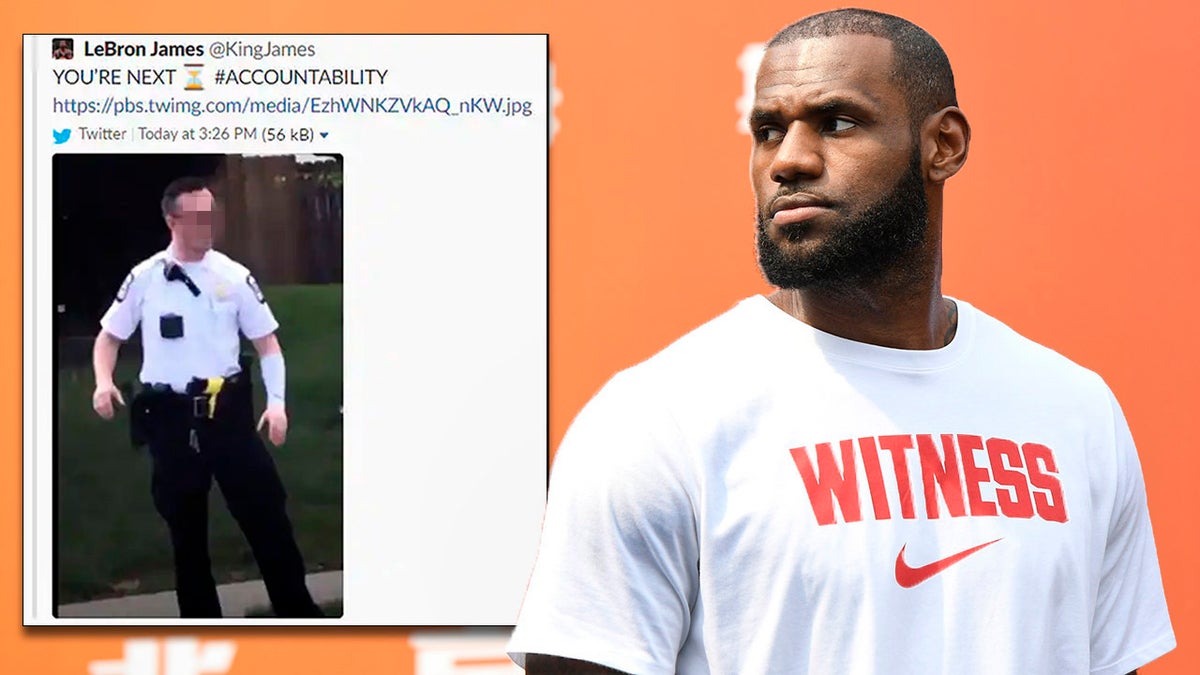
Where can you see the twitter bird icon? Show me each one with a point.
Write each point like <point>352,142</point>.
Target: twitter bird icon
<point>61,136</point>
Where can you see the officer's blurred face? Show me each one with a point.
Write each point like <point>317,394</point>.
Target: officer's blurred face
<point>191,222</point>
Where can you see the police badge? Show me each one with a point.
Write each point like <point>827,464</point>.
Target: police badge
<point>124,289</point>
<point>254,287</point>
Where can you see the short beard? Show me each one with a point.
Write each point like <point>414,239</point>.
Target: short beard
<point>858,250</point>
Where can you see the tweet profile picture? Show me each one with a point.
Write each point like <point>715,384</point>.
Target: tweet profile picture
<point>62,48</point>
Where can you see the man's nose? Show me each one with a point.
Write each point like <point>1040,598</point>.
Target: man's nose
<point>799,155</point>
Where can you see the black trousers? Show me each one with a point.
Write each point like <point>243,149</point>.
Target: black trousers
<point>229,450</point>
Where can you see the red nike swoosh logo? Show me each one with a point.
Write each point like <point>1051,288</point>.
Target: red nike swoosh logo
<point>911,576</point>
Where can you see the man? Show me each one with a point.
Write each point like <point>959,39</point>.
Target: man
<point>855,474</point>
<point>62,48</point>
<point>195,410</point>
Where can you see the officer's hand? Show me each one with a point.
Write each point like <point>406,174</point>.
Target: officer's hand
<point>102,400</point>
<point>276,420</point>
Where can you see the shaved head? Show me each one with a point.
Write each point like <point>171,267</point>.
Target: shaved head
<point>919,65</point>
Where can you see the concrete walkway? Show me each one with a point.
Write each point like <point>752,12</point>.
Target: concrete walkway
<point>236,600</point>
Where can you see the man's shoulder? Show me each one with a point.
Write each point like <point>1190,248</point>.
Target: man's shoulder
<point>140,274</point>
<point>155,261</point>
<point>632,428</point>
<point>719,348</point>
<point>225,265</point>
<point>137,278</point>
<point>997,341</point>
<point>229,269</point>
<point>234,272</point>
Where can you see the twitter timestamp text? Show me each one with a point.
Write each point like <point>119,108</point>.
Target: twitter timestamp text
<point>204,133</point>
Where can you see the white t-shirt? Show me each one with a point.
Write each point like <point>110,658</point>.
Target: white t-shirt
<point>701,517</point>
<point>230,300</point>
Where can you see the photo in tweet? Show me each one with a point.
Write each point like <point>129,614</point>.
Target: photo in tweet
<point>244,248</point>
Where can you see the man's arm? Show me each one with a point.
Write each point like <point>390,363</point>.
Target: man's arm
<point>544,664</point>
<point>270,360</point>
<point>104,360</point>
<point>117,324</point>
<point>274,376</point>
<point>266,346</point>
<point>104,357</point>
<point>1130,626</point>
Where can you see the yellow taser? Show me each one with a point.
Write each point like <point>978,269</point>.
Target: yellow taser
<point>213,388</point>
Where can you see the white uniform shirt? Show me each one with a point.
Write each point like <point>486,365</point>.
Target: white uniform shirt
<point>230,300</point>
<point>763,497</point>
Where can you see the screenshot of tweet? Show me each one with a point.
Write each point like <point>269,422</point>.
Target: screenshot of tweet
<point>285,328</point>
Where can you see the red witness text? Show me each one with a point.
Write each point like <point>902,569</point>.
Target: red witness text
<point>1025,477</point>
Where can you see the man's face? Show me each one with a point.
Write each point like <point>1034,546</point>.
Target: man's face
<point>192,220</point>
<point>836,169</point>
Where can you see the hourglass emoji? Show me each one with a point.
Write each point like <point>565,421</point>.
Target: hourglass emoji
<point>193,81</point>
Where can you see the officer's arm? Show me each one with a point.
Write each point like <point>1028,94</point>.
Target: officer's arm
<point>270,359</point>
<point>117,324</point>
<point>267,345</point>
<point>104,358</point>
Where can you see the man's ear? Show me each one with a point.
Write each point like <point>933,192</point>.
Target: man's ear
<point>945,138</point>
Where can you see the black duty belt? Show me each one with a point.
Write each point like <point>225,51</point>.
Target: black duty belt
<point>158,412</point>
<point>202,393</point>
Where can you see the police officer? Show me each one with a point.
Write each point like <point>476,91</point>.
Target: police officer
<point>195,409</point>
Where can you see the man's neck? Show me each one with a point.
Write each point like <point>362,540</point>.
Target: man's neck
<point>908,316</point>
<point>182,255</point>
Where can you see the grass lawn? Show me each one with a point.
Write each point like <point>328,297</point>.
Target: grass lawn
<point>109,539</point>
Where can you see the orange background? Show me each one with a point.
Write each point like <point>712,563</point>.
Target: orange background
<point>1075,221</point>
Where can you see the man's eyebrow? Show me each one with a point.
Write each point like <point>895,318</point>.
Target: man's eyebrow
<point>838,104</point>
<point>762,116</point>
<point>829,106</point>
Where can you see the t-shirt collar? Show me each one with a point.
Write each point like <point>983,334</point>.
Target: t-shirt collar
<point>869,354</point>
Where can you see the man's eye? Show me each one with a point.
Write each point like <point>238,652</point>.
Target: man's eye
<point>840,124</point>
<point>768,134</point>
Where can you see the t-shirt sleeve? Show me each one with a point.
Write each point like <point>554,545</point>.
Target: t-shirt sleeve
<point>255,318</point>
<point>1131,626</point>
<point>617,566</point>
<point>125,312</point>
